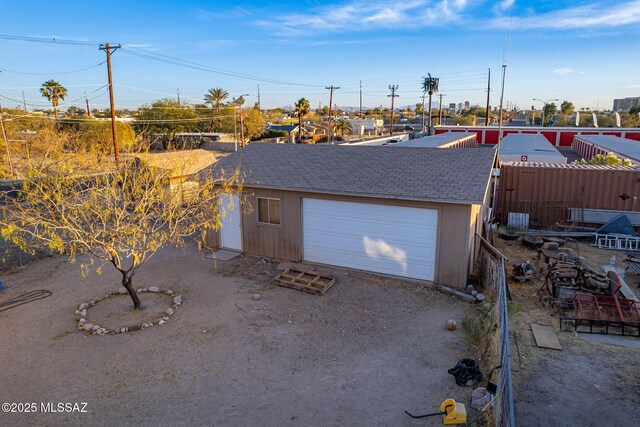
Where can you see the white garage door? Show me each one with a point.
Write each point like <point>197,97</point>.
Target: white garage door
<point>386,239</point>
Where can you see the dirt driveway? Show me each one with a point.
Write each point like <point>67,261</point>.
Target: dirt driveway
<point>361,354</point>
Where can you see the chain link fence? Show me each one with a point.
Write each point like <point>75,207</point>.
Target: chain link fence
<point>493,277</point>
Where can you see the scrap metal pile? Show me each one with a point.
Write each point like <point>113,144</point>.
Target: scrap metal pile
<point>589,300</point>
<point>568,274</point>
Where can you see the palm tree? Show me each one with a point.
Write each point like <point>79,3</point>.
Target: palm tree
<point>215,97</point>
<point>429,86</point>
<point>302,109</point>
<point>53,91</point>
<point>343,127</point>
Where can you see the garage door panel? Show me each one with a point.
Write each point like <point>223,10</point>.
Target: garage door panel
<point>381,238</point>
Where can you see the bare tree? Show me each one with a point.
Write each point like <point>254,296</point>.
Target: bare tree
<point>76,203</point>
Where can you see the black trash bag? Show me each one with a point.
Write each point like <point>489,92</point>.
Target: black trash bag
<point>465,370</point>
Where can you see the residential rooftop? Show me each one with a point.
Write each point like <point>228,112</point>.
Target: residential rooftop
<point>425,174</point>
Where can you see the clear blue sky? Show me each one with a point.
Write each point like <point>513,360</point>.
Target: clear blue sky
<point>585,51</point>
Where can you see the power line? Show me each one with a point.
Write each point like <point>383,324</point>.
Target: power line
<point>50,73</point>
<point>38,87</point>
<point>200,67</point>
<point>54,40</point>
<point>62,104</point>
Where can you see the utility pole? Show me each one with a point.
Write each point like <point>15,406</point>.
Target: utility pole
<point>361,116</point>
<point>486,121</point>
<point>107,48</point>
<point>235,129</point>
<point>393,97</point>
<point>259,109</point>
<point>241,129</point>
<point>24,101</point>
<point>87,102</point>
<point>6,141</point>
<point>440,112</point>
<point>178,91</point>
<point>504,73</point>
<point>423,96</point>
<point>329,129</point>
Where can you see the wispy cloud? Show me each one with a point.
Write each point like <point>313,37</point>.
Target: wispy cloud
<point>564,71</point>
<point>362,15</point>
<point>593,15</point>
<point>218,43</point>
<point>503,6</point>
<point>225,14</point>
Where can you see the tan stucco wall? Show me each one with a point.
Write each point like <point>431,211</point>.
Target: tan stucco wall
<point>455,237</point>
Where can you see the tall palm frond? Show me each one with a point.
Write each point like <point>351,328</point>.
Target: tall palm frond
<point>53,91</point>
<point>215,97</point>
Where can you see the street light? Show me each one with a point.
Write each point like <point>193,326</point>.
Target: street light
<point>235,130</point>
<point>544,106</point>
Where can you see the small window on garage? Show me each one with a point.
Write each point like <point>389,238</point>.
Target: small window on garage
<point>268,211</point>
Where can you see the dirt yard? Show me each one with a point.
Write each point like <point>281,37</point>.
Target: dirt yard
<point>587,383</point>
<point>367,350</point>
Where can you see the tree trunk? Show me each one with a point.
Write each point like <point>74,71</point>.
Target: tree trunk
<point>299,128</point>
<point>126,282</point>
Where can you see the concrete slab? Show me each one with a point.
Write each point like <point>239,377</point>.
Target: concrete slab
<point>224,255</point>
<point>545,337</point>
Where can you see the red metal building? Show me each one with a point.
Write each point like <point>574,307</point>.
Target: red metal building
<point>558,136</point>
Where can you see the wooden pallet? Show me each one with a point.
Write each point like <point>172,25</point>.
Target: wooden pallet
<point>304,281</point>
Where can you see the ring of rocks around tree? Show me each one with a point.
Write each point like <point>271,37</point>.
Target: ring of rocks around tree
<point>95,329</point>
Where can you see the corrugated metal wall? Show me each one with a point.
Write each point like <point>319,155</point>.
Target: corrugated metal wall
<point>546,192</point>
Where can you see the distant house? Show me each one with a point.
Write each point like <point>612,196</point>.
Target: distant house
<point>411,212</point>
<point>292,130</point>
<point>312,133</point>
<point>366,126</point>
<point>188,140</point>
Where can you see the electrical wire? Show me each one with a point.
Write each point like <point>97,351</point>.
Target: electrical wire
<point>193,65</point>
<point>38,87</point>
<point>62,104</point>
<point>4,70</point>
<point>47,40</point>
<point>468,76</point>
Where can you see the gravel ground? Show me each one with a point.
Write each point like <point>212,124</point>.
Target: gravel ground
<point>367,350</point>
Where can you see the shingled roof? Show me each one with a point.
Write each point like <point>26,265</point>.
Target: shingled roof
<point>426,174</point>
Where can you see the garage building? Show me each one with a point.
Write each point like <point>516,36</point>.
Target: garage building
<point>409,214</point>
